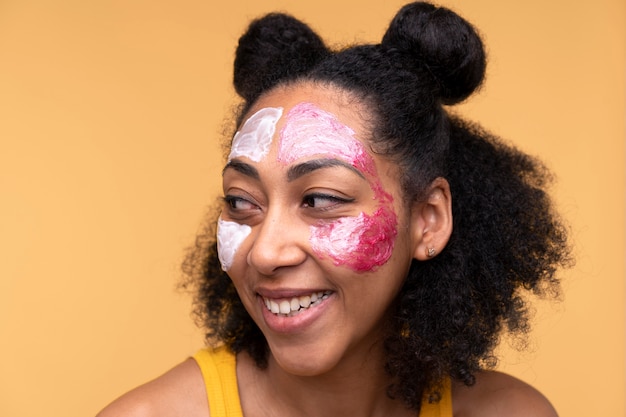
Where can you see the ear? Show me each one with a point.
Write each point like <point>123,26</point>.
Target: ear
<point>431,221</point>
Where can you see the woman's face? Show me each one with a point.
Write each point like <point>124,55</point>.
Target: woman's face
<point>313,232</point>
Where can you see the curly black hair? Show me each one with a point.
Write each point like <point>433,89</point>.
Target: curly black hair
<point>506,235</point>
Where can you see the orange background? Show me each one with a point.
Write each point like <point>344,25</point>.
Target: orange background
<point>110,114</point>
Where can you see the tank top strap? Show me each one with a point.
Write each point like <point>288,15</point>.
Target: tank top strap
<point>442,408</point>
<point>218,367</point>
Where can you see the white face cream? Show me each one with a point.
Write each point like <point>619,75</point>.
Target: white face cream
<point>254,138</point>
<point>230,235</point>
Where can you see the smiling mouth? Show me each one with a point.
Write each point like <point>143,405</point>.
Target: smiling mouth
<point>295,305</point>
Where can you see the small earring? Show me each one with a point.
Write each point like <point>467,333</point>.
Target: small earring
<point>431,252</point>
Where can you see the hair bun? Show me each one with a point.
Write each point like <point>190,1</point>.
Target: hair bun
<point>444,42</point>
<point>275,47</point>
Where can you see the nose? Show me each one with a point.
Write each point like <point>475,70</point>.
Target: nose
<point>279,243</point>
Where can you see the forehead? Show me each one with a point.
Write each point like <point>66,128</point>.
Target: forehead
<point>341,109</point>
<point>346,110</point>
<point>324,122</point>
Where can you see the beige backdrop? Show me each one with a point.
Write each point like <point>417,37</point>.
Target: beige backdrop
<point>110,113</point>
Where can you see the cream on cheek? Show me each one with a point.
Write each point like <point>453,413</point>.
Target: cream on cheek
<point>361,243</point>
<point>230,236</point>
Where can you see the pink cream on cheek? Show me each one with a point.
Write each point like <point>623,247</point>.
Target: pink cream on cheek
<point>361,243</point>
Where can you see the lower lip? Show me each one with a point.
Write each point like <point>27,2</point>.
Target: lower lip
<point>298,323</point>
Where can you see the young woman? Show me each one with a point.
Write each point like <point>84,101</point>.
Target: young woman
<point>371,246</point>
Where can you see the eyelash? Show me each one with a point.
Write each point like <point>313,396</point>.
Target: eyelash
<point>231,201</point>
<point>332,199</point>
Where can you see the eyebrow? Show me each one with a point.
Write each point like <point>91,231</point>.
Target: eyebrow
<point>243,168</point>
<point>295,171</point>
<point>307,167</point>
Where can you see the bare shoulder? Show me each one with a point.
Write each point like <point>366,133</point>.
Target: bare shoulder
<point>498,394</point>
<point>178,392</point>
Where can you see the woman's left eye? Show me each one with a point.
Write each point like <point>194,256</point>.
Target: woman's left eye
<point>323,201</point>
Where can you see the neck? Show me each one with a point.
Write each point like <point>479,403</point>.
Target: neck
<point>356,387</point>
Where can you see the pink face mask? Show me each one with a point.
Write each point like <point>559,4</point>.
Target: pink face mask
<point>361,243</point>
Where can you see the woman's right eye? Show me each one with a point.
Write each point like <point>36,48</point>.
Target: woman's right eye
<point>238,204</point>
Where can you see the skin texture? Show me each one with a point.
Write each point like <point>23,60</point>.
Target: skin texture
<point>327,360</point>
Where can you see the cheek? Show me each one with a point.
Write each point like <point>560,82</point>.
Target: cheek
<point>361,243</point>
<point>230,236</point>
<point>254,138</point>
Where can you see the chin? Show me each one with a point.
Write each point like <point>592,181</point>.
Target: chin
<point>304,360</point>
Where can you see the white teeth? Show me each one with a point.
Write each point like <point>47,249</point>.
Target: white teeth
<point>305,301</point>
<point>287,307</point>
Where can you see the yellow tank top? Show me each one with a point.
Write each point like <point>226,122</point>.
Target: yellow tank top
<point>220,378</point>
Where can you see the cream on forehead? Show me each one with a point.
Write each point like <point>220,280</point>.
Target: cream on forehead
<point>230,236</point>
<point>311,131</point>
<point>254,138</point>
<point>361,243</point>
